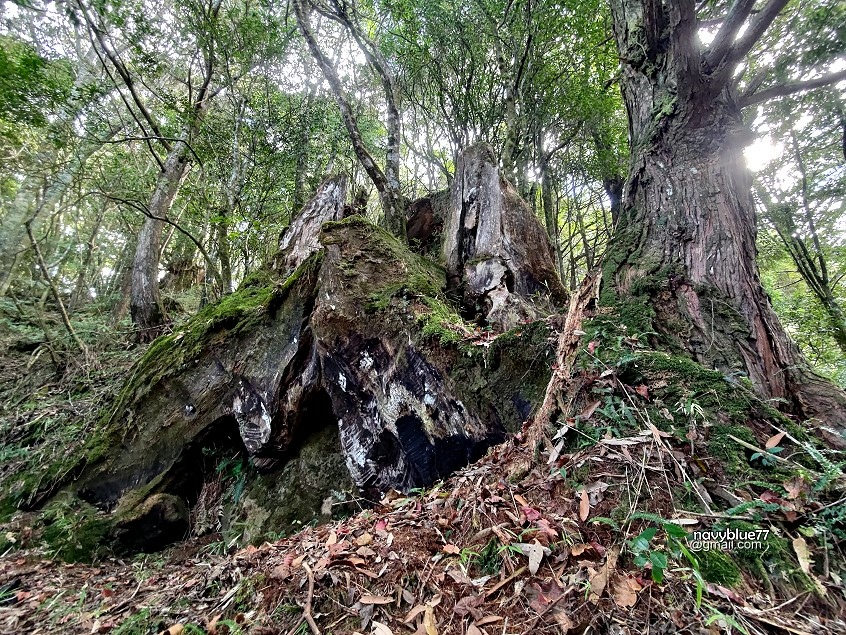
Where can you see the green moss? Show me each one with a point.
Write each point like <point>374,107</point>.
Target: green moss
<point>437,321</point>
<point>776,563</point>
<point>718,567</point>
<point>408,276</point>
<point>511,373</point>
<point>234,314</point>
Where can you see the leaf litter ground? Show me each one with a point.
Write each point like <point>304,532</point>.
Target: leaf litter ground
<point>507,545</point>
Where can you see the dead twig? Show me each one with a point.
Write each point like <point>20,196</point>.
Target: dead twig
<point>307,606</point>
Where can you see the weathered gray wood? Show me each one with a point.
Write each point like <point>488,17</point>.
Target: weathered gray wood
<point>402,421</point>
<point>496,251</point>
<point>301,238</point>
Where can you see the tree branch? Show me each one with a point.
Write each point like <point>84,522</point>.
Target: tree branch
<point>374,172</point>
<point>757,26</point>
<point>154,138</point>
<point>54,291</point>
<point>737,14</point>
<point>137,206</point>
<point>790,88</point>
<point>122,71</point>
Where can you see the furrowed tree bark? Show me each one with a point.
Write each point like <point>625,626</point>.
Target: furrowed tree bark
<point>684,248</point>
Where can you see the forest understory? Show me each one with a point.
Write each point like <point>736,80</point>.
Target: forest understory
<point>509,544</point>
<point>576,527</point>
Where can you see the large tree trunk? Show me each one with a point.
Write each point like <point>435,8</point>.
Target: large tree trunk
<point>683,255</point>
<point>340,335</point>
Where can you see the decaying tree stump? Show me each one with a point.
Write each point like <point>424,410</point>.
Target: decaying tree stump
<point>301,238</point>
<point>340,348</point>
<point>496,251</point>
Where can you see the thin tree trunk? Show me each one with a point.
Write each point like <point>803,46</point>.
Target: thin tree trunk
<point>28,205</point>
<point>224,256</point>
<point>302,154</point>
<point>57,298</point>
<point>145,304</point>
<point>82,276</point>
<point>386,182</point>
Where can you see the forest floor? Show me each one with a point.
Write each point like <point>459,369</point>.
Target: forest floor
<point>514,543</point>
<point>428,563</point>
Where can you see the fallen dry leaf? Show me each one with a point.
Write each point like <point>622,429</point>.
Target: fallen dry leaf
<point>599,580</point>
<point>584,506</point>
<point>381,629</point>
<point>803,554</point>
<point>624,591</point>
<point>375,599</point>
<point>429,621</point>
<point>774,440</point>
<point>176,629</point>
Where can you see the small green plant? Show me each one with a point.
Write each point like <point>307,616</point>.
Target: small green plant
<point>466,557</point>
<point>137,624</point>
<point>656,555</point>
<point>767,458</point>
<point>603,520</point>
<point>490,559</point>
<point>644,553</point>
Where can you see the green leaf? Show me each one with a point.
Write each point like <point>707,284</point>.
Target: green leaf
<point>658,560</point>
<point>675,530</point>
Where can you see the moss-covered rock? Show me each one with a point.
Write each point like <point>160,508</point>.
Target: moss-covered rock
<point>155,522</point>
<point>312,486</point>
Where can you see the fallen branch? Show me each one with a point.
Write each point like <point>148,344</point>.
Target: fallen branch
<point>306,616</point>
